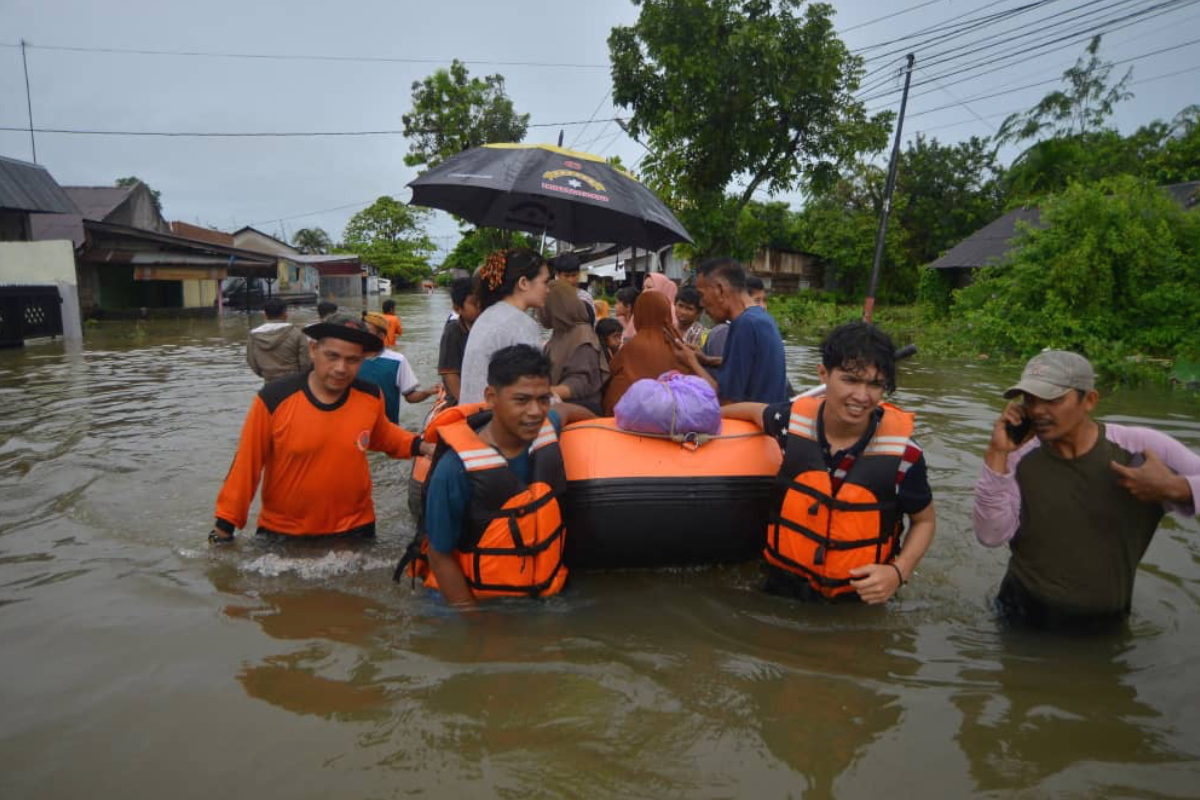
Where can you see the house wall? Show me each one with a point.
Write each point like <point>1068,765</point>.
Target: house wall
<point>45,264</point>
<point>253,240</point>
<point>139,212</point>
<point>199,293</point>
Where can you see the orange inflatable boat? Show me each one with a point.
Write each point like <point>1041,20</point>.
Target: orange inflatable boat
<point>635,500</point>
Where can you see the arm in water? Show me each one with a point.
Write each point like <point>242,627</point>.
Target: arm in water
<point>233,502</point>
<point>450,579</point>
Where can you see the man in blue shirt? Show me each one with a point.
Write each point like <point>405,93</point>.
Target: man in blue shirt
<point>752,367</point>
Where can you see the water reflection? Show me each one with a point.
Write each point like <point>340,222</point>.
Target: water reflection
<point>1039,704</point>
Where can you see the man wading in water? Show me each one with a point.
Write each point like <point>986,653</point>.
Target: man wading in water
<point>851,472</point>
<point>492,525</point>
<point>307,436</point>
<point>1077,501</point>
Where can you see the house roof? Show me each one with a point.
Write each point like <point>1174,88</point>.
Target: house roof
<point>201,234</point>
<point>990,243</point>
<point>252,229</point>
<point>29,187</point>
<point>1186,194</point>
<point>97,202</point>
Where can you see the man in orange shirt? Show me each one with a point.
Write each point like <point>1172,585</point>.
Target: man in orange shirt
<point>394,327</point>
<point>307,436</point>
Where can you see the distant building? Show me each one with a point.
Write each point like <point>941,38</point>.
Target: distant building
<point>295,280</point>
<point>786,271</point>
<point>129,263</point>
<point>38,285</point>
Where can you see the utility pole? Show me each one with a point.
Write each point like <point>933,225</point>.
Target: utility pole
<point>28,102</point>
<point>869,303</point>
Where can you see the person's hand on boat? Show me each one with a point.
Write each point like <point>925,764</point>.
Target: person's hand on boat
<point>876,583</point>
<point>427,448</point>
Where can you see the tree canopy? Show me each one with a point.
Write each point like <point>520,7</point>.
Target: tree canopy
<point>452,112</point>
<point>391,236</point>
<point>758,92</point>
<point>312,241</point>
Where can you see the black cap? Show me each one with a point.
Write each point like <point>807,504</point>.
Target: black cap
<point>346,328</point>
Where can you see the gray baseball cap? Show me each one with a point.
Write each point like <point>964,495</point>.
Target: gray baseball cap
<point>1052,373</point>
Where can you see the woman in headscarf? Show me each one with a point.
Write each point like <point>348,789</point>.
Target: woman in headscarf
<point>578,368</point>
<point>648,354</point>
<point>657,282</point>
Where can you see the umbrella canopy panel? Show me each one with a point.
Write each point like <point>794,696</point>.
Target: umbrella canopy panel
<point>569,195</point>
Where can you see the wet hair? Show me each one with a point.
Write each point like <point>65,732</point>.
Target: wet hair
<point>510,364</point>
<point>389,306</point>
<point>460,290</point>
<point>325,308</point>
<point>498,277</point>
<point>627,295</point>
<point>754,284</point>
<point>724,269</point>
<point>607,327</point>
<point>566,262</point>
<point>689,296</point>
<point>860,345</point>
<point>274,308</point>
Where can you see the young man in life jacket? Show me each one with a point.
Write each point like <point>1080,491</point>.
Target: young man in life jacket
<point>492,525</point>
<point>851,473</point>
<point>306,439</point>
<point>1077,501</point>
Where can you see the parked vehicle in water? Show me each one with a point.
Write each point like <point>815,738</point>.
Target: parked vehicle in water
<point>240,293</point>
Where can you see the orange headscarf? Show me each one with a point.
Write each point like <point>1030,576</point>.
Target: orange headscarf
<point>647,354</point>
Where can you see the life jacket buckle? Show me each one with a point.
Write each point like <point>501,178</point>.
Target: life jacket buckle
<point>814,508</point>
<point>819,556</point>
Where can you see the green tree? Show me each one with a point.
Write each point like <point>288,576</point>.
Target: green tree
<point>473,248</point>
<point>391,236</point>
<point>131,181</point>
<point>452,112</point>
<point>754,91</point>
<point>312,241</point>
<point>1113,272</point>
<point>1082,106</point>
<point>1178,158</point>
<point>949,191</point>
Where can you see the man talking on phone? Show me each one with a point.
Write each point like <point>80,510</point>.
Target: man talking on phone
<point>1077,501</point>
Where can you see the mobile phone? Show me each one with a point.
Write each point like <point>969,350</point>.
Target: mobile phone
<point>1019,433</point>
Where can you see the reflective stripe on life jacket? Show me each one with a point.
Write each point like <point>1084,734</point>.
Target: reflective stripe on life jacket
<point>821,534</point>
<point>513,534</point>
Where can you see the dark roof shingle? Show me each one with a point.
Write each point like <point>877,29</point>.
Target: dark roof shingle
<point>29,187</point>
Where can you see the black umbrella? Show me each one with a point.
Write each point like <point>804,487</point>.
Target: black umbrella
<point>543,189</point>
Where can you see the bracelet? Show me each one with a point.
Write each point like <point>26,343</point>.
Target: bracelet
<point>899,574</point>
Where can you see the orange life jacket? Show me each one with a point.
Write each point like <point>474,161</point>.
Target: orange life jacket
<point>820,534</point>
<point>513,534</point>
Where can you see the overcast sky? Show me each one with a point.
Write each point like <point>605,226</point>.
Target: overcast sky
<point>298,182</point>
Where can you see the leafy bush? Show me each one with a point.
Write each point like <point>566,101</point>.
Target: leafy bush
<point>1113,275</point>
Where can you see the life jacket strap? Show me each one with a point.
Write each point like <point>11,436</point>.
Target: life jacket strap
<point>834,544</point>
<point>836,504</point>
<point>531,589</point>
<point>522,549</point>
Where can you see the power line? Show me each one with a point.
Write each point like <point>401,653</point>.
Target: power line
<point>1074,39</point>
<point>297,56</point>
<point>592,117</point>
<point>1056,80</point>
<point>888,16</point>
<point>247,134</point>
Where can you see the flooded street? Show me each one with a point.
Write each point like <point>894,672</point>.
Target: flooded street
<point>138,662</point>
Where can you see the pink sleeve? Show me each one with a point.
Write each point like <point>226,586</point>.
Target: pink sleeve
<point>997,511</point>
<point>1173,453</point>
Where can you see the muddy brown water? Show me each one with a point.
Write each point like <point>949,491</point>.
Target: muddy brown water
<point>137,662</point>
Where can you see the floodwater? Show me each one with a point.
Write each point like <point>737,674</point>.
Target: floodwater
<point>138,662</point>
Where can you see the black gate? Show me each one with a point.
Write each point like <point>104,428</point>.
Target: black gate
<point>27,312</point>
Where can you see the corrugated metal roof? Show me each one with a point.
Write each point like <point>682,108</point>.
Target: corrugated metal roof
<point>1186,194</point>
<point>990,244</point>
<point>97,202</point>
<point>29,187</point>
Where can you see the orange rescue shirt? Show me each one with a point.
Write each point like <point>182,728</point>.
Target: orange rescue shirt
<point>312,459</point>
<point>394,329</point>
